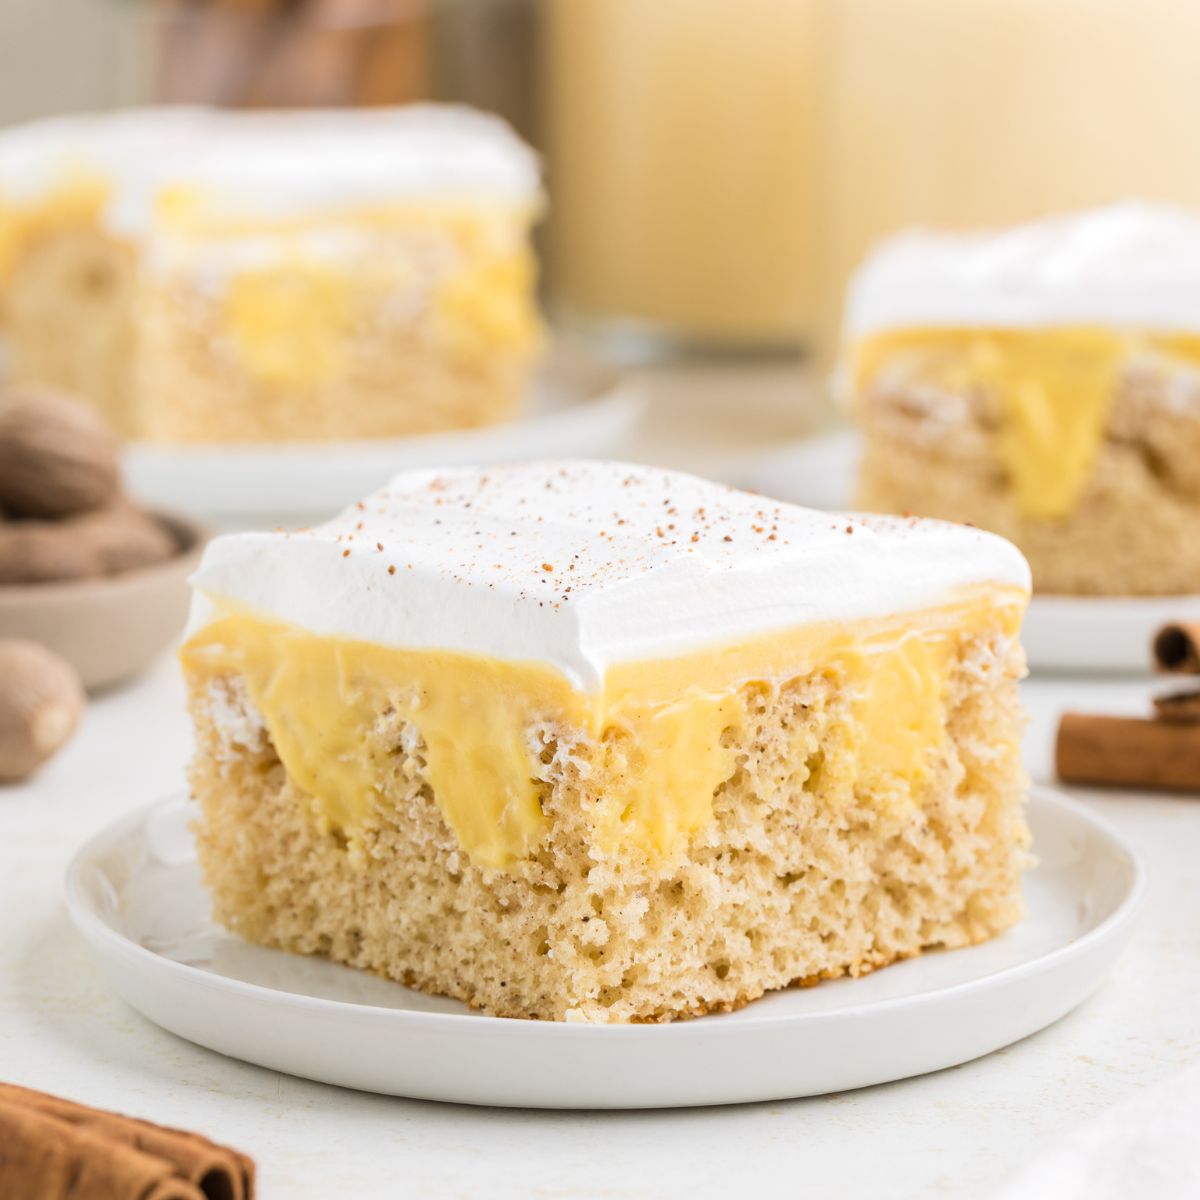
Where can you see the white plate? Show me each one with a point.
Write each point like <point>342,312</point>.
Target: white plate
<point>577,408</point>
<point>1096,634</point>
<point>1061,633</point>
<point>135,895</point>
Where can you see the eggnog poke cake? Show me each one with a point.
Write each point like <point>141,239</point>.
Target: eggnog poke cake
<point>590,741</point>
<point>216,276</point>
<point>1042,382</point>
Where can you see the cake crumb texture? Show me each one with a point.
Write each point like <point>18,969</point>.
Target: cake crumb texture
<point>931,450</point>
<point>807,870</point>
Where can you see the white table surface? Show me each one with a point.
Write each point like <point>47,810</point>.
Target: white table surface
<point>950,1134</point>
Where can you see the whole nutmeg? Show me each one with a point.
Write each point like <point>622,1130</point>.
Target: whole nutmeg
<point>41,700</point>
<point>105,542</point>
<point>123,538</point>
<point>56,456</point>
<point>44,552</point>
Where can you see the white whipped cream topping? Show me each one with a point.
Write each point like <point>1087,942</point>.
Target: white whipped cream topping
<point>267,164</point>
<point>583,565</point>
<point>281,163</point>
<point>1133,265</point>
<point>128,148</point>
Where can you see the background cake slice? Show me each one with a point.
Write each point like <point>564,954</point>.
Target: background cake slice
<point>388,292</point>
<point>1042,382</point>
<point>206,275</point>
<point>600,742</point>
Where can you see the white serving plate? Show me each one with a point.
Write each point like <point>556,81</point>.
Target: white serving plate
<point>577,408</point>
<point>135,895</point>
<point>1061,633</point>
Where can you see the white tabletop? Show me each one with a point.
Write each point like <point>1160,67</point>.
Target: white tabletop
<point>950,1134</point>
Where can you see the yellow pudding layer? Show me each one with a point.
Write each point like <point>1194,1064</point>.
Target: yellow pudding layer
<point>290,322</point>
<point>79,199</point>
<point>657,730</point>
<point>293,321</point>
<point>1054,387</point>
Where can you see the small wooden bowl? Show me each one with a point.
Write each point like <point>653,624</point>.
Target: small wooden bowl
<point>110,628</point>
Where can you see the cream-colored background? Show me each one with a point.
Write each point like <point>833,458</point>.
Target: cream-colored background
<point>884,113</point>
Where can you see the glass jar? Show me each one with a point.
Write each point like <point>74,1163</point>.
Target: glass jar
<point>682,145</point>
<point>957,115</point>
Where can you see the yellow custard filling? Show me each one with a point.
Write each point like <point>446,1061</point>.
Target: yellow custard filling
<point>79,199</point>
<point>292,321</point>
<point>1055,389</point>
<point>661,735</point>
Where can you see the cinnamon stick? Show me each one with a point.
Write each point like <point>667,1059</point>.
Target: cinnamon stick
<point>1177,648</point>
<point>1128,751</point>
<point>47,1142</point>
<point>45,1159</point>
<point>1178,707</point>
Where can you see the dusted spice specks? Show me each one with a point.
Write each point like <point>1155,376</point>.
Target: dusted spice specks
<point>650,556</point>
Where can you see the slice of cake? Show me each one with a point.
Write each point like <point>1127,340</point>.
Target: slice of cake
<point>281,276</point>
<point>1044,383</point>
<point>325,276</point>
<point>74,193</point>
<point>587,741</point>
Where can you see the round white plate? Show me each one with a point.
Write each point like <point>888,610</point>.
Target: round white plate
<point>577,407</point>
<point>135,895</point>
<point>1061,633</point>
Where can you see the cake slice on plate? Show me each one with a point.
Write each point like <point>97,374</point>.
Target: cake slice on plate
<point>206,275</point>
<point>1042,382</point>
<point>588,741</point>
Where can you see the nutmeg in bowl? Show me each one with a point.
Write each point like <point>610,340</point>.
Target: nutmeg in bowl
<point>110,626</point>
<point>83,570</point>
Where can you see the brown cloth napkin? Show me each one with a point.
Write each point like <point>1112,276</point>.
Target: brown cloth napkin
<point>54,1149</point>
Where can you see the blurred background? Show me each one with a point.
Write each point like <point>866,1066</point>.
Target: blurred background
<point>715,169</point>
